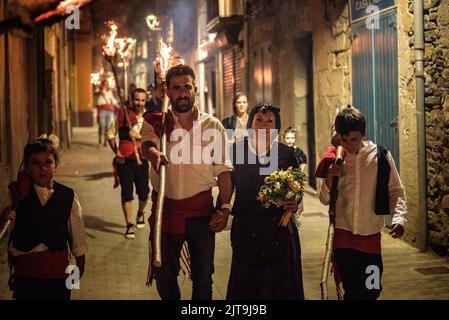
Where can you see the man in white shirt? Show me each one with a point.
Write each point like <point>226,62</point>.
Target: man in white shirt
<point>189,214</point>
<point>357,245</point>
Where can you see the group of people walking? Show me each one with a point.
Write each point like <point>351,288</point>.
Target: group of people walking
<point>266,257</point>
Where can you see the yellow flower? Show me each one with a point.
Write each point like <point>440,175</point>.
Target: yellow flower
<point>295,186</point>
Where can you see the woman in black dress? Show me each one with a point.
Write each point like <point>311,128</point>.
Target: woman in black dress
<point>266,258</point>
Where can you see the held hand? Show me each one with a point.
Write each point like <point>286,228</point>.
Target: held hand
<point>219,220</point>
<point>334,171</point>
<point>134,134</point>
<point>7,214</point>
<point>157,159</point>
<point>120,159</point>
<point>291,206</point>
<point>397,231</point>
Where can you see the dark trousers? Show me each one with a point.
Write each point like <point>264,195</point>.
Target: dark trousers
<point>358,272</point>
<point>41,289</point>
<point>130,173</point>
<point>201,242</point>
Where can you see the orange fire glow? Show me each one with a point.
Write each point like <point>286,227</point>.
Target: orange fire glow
<point>109,48</point>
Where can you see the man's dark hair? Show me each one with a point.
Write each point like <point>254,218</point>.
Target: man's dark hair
<point>264,108</point>
<point>138,90</point>
<point>38,146</point>
<point>179,70</point>
<point>349,119</point>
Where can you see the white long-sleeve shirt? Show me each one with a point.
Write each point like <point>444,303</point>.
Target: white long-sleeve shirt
<point>75,225</point>
<point>357,193</point>
<point>187,178</point>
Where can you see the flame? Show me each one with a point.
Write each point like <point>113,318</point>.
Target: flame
<point>124,46</point>
<point>109,48</point>
<point>165,52</point>
<point>165,60</point>
<point>95,78</point>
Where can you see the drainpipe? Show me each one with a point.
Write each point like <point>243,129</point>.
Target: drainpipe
<point>418,12</point>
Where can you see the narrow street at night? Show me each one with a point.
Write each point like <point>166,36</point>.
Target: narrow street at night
<point>227,150</point>
<point>116,268</point>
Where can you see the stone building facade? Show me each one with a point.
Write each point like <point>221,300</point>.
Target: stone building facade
<point>436,67</point>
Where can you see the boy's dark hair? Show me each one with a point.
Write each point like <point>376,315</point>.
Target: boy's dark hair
<point>264,107</point>
<point>138,90</point>
<point>179,70</point>
<point>290,130</point>
<point>348,119</point>
<point>38,146</point>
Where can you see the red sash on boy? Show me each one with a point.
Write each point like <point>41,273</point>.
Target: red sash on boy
<point>42,265</point>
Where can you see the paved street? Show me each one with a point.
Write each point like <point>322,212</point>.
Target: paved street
<point>117,268</point>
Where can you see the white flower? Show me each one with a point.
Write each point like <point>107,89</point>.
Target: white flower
<point>277,186</point>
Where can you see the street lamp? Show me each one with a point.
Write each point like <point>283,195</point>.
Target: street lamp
<point>153,22</point>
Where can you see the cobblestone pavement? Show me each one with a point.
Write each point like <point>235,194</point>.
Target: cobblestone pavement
<point>116,268</point>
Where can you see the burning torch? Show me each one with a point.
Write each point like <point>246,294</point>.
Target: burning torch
<point>111,48</point>
<point>164,61</point>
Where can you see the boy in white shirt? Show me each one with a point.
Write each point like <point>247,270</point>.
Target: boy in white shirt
<point>369,187</point>
<point>49,227</point>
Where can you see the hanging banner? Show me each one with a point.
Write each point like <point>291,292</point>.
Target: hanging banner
<point>362,8</point>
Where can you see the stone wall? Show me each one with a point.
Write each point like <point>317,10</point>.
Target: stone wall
<point>436,66</point>
<point>408,148</point>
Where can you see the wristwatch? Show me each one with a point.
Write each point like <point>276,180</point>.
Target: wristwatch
<point>226,206</point>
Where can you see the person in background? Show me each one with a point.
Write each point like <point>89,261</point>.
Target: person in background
<point>154,102</point>
<point>106,107</point>
<point>290,139</point>
<point>236,125</point>
<point>129,172</point>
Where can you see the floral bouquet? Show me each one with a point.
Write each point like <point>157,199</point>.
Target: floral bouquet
<point>282,187</point>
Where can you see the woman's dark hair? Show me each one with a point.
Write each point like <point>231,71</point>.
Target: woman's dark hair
<point>264,108</point>
<point>348,119</point>
<point>38,146</point>
<point>234,101</point>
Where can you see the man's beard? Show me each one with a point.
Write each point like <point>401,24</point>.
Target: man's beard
<point>184,107</point>
<point>137,108</point>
